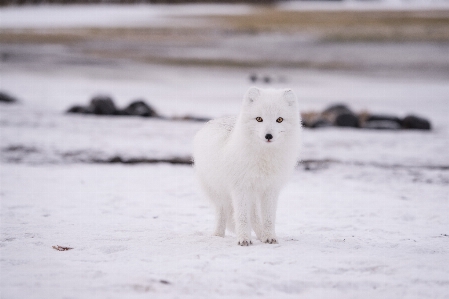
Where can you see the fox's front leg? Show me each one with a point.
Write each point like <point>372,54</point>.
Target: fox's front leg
<point>268,208</point>
<point>241,205</point>
<point>255,220</point>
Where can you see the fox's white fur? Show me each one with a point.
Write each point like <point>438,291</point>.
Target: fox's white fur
<point>241,171</point>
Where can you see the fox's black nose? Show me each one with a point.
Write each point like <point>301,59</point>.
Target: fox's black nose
<point>268,137</point>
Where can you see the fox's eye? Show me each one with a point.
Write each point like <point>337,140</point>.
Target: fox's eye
<point>279,120</point>
<point>259,119</point>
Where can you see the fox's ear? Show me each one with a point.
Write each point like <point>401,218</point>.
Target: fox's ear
<point>290,97</point>
<point>252,95</point>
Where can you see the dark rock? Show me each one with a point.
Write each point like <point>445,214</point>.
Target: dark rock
<point>337,109</point>
<point>6,98</point>
<point>341,116</point>
<point>346,120</point>
<point>416,122</point>
<point>139,108</point>
<point>382,125</point>
<point>320,123</point>
<point>102,105</point>
<point>80,109</point>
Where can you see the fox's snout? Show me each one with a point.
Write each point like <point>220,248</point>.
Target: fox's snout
<point>268,137</point>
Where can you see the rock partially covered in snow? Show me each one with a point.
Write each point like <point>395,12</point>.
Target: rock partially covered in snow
<point>320,123</point>
<point>336,109</point>
<point>381,125</point>
<point>139,108</point>
<point>100,105</point>
<point>80,109</point>
<point>376,117</point>
<point>382,122</point>
<point>341,116</point>
<point>104,105</point>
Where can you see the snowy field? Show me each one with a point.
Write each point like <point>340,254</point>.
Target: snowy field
<point>368,219</point>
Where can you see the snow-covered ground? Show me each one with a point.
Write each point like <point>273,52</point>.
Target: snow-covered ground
<point>139,15</point>
<point>373,225</point>
<point>211,93</point>
<point>367,220</point>
<point>345,232</point>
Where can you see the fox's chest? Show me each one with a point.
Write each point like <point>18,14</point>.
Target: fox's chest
<point>267,166</point>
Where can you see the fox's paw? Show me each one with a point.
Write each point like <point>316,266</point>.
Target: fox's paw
<point>270,240</point>
<point>244,242</point>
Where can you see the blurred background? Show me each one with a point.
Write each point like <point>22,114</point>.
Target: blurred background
<point>181,64</point>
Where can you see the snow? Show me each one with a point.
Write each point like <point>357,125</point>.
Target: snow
<point>367,220</point>
<point>365,5</point>
<point>155,15</point>
<point>101,16</point>
<point>345,232</point>
<point>373,224</point>
<point>59,137</point>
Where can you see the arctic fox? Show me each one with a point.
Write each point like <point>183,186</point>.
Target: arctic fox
<point>242,162</point>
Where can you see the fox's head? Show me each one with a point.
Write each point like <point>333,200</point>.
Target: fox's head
<point>269,115</point>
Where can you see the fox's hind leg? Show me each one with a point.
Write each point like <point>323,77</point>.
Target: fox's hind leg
<point>219,204</point>
<point>220,220</point>
<point>230,223</point>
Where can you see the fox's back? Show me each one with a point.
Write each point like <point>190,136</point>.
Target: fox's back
<point>211,140</point>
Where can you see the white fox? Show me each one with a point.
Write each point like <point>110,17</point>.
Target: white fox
<point>242,162</point>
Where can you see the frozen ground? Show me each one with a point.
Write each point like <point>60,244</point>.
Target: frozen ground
<point>368,220</point>
<point>97,16</point>
<point>372,224</point>
<point>345,232</point>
